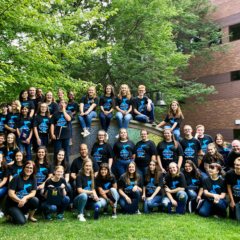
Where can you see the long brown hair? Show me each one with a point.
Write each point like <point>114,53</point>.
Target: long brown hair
<point>224,144</point>
<point>178,170</point>
<point>3,164</point>
<point>94,95</point>
<point>46,158</point>
<point>82,172</point>
<point>64,162</point>
<point>173,137</point>
<point>216,157</point>
<point>194,173</point>
<point>109,175</point>
<point>136,176</point>
<point>47,113</point>
<point>128,92</point>
<point>112,94</point>
<point>157,173</point>
<point>33,175</point>
<point>178,113</point>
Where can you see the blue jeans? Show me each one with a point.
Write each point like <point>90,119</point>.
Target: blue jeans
<point>142,171</point>
<point>44,140</point>
<point>27,148</point>
<point>3,192</point>
<point>119,116</point>
<point>62,143</point>
<point>182,199</point>
<point>149,205</point>
<point>70,192</point>
<point>48,209</point>
<point>105,120</point>
<point>86,120</point>
<point>192,195</point>
<point>135,195</point>
<point>81,201</point>
<point>208,206</point>
<point>176,132</point>
<point>143,118</point>
<point>237,209</point>
<point>121,166</point>
<point>115,196</point>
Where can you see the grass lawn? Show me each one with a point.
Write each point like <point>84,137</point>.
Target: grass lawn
<point>151,226</point>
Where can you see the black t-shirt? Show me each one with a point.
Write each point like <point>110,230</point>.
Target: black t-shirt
<point>22,188</point>
<point>190,150</point>
<point>176,182</point>
<point>77,165</point>
<point>207,159</point>
<point>231,158</point>
<point>144,151</point>
<point>3,150</point>
<point>151,186</point>
<point>3,120</point>
<point>85,182</point>
<point>88,103</point>
<point>25,123</point>
<point>36,102</point>
<point>12,120</point>
<point>3,175</point>
<point>106,102</point>
<point>43,172</point>
<point>42,123</point>
<point>101,153</point>
<point>174,120</point>
<point>193,183</point>
<point>105,184</point>
<point>127,189</point>
<point>123,149</point>
<point>73,107</point>
<point>233,180</point>
<point>227,149</point>
<point>10,155</point>
<point>124,104</point>
<point>168,153</point>
<point>53,107</point>
<point>139,104</point>
<point>59,120</point>
<point>217,187</point>
<point>15,169</point>
<point>205,141</point>
<point>29,104</point>
<point>55,184</point>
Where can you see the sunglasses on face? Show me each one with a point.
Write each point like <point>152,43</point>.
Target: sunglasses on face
<point>211,167</point>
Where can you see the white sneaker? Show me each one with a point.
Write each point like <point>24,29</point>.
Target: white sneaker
<point>86,213</point>
<point>81,218</point>
<point>82,133</point>
<point>117,136</point>
<point>1,214</point>
<point>86,134</point>
<point>107,136</point>
<point>138,212</point>
<point>26,216</point>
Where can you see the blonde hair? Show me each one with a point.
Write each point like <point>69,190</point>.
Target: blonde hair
<point>14,141</point>
<point>58,167</point>
<point>17,102</point>
<point>105,136</point>
<point>198,126</point>
<point>94,95</point>
<point>128,92</point>
<point>60,90</point>
<point>91,172</point>
<point>53,99</point>
<point>187,126</point>
<point>141,87</point>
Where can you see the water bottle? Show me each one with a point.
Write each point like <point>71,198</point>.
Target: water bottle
<point>96,212</point>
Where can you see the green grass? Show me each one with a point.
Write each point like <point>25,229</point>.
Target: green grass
<point>151,226</point>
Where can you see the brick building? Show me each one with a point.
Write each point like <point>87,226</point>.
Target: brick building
<point>222,110</point>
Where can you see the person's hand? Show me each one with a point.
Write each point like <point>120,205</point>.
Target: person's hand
<point>163,171</point>
<point>143,197</point>
<point>128,200</point>
<point>124,113</point>
<point>232,204</point>
<point>13,130</point>
<point>62,185</point>
<point>149,107</point>
<point>95,198</point>
<point>86,113</point>
<point>167,189</point>
<point>81,114</point>
<point>216,198</point>
<point>198,198</point>
<point>50,186</point>
<point>174,203</point>
<point>135,188</point>
<point>22,141</point>
<point>147,118</point>
<point>39,142</point>
<point>196,135</point>
<point>106,113</point>
<point>111,203</point>
<point>54,137</point>
<point>22,202</point>
<point>150,198</point>
<point>40,187</point>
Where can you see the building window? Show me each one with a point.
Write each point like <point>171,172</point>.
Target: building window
<point>236,133</point>
<point>234,31</point>
<point>215,38</point>
<point>235,75</point>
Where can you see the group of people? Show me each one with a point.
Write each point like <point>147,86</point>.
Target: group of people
<point>172,172</point>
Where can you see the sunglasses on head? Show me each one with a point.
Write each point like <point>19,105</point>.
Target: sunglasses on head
<point>104,165</point>
<point>212,167</point>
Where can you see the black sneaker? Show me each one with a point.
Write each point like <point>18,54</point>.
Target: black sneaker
<point>114,214</point>
<point>105,211</point>
<point>153,123</point>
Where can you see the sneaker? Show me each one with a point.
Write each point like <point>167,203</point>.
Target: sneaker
<point>153,123</point>
<point>48,217</point>
<point>86,133</point>
<point>81,218</point>
<point>138,212</point>
<point>117,136</point>
<point>82,133</point>
<point>60,216</point>
<point>217,216</point>
<point>26,216</point>
<point>105,211</point>
<point>1,214</point>
<point>86,213</point>
<point>114,214</point>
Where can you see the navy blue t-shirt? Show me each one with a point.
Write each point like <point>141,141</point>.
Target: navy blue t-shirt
<point>124,104</point>
<point>73,107</point>
<point>205,141</point>
<point>123,150</point>
<point>106,102</point>
<point>88,103</point>
<point>174,120</point>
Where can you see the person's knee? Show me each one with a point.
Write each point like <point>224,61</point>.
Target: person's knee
<point>99,204</point>
<point>66,199</point>
<point>83,196</point>
<point>165,203</point>
<point>202,213</point>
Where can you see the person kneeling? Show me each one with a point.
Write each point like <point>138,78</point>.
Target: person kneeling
<point>215,190</point>
<point>152,187</point>
<point>85,186</point>
<point>56,182</point>
<point>107,188</point>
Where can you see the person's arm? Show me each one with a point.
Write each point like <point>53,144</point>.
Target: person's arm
<point>206,167</point>
<point>153,157</point>
<point>119,109</point>
<point>14,197</point>
<point>129,110</point>
<point>121,192</point>
<point>80,190</point>
<point>176,190</point>
<point>66,116</point>
<point>52,132</point>
<point>161,124</point>
<point>137,112</point>
<point>18,132</point>
<point>30,136</point>
<point>180,159</point>
<point>31,113</point>
<point>3,181</point>
<point>174,125</point>
<point>10,178</point>
<point>37,136</point>
<point>144,193</point>
<point>67,177</point>
<point>155,192</point>
<point>160,164</point>
<point>200,192</point>
<point>200,153</point>
<point>110,161</point>
<point>91,108</point>
<point>9,129</point>
<point>103,193</point>
<point>73,176</point>
<point>232,202</point>
<point>102,109</point>
<point>169,195</point>
<point>81,109</point>
<point>40,187</point>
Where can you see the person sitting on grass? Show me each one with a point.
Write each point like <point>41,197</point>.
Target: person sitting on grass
<point>57,181</point>
<point>153,183</point>
<point>86,189</point>
<point>130,186</point>
<point>107,189</point>
<point>175,186</point>
<point>215,190</point>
